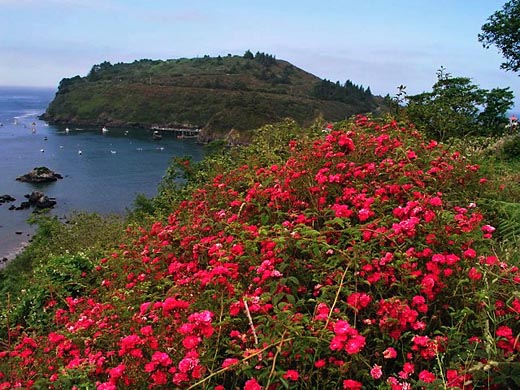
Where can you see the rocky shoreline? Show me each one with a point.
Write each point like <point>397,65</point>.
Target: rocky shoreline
<point>11,255</point>
<point>36,199</point>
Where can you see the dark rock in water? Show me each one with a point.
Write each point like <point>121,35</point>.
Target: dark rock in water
<point>6,199</point>
<point>34,196</point>
<point>40,200</point>
<point>23,206</point>
<point>37,199</point>
<point>40,175</point>
<point>46,204</point>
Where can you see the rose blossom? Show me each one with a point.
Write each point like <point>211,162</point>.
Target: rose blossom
<point>376,372</point>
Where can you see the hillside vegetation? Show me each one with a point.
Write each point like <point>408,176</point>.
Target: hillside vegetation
<point>356,255</point>
<point>217,94</point>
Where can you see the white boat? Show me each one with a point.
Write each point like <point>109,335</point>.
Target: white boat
<point>104,130</point>
<point>67,130</point>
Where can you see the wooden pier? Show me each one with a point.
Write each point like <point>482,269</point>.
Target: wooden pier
<point>178,131</point>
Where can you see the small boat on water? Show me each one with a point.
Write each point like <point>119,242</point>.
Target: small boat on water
<point>104,130</point>
<point>67,130</point>
<point>156,135</point>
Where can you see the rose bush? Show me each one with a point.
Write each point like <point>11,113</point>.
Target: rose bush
<point>359,261</point>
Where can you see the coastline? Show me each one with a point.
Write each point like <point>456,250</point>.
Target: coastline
<point>13,254</point>
<point>105,178</point>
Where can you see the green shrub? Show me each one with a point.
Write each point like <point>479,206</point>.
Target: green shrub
<point>356,258</point>
<point>51,267</point>
<point>510,148</point>
<point>48,287</point>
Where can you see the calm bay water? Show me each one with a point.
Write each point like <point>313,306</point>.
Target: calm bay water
<point>111,170</point>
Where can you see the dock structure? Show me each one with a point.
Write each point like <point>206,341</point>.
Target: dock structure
<point>179,131</point>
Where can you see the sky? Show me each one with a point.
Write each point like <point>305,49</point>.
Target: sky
<point>379,44</point>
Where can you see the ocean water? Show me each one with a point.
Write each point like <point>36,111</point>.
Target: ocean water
<point>102,172</point>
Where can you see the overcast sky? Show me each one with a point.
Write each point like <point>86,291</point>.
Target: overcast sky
<point>376,43</point>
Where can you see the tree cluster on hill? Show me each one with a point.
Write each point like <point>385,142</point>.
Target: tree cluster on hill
<point>261,57</point>
<point>347,93</point>
<point>265,59</point>
<point>457,108</point>
<point>93,75</point>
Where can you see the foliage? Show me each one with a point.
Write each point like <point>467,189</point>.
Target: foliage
<point>507,216</point>
<point>492,119</point>
<point>356,257</point>
<point>82,232</point>
<point>88,233</point>
<point>349,93</point>
<point>510,147</point>
<point>503,31</point>
<point>265,59</point>
<point>499,198</point>
<point>97,70</point>
<point>268,145</point>
<point>458,108</point>
<point>51,284</point>
<point>60,249</point>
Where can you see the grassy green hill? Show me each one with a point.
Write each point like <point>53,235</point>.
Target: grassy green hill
<point>217,94</point>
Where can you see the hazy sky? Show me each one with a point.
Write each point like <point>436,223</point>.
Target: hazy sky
<point>376,43</point>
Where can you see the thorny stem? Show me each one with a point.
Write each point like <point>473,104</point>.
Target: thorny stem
<point>338,291</point>
<point>258,352</point>
<point>251,325</point>
<point>241,208</point>
<point>278,350</point>
<point>7,320</point>
<point>219,330</point>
